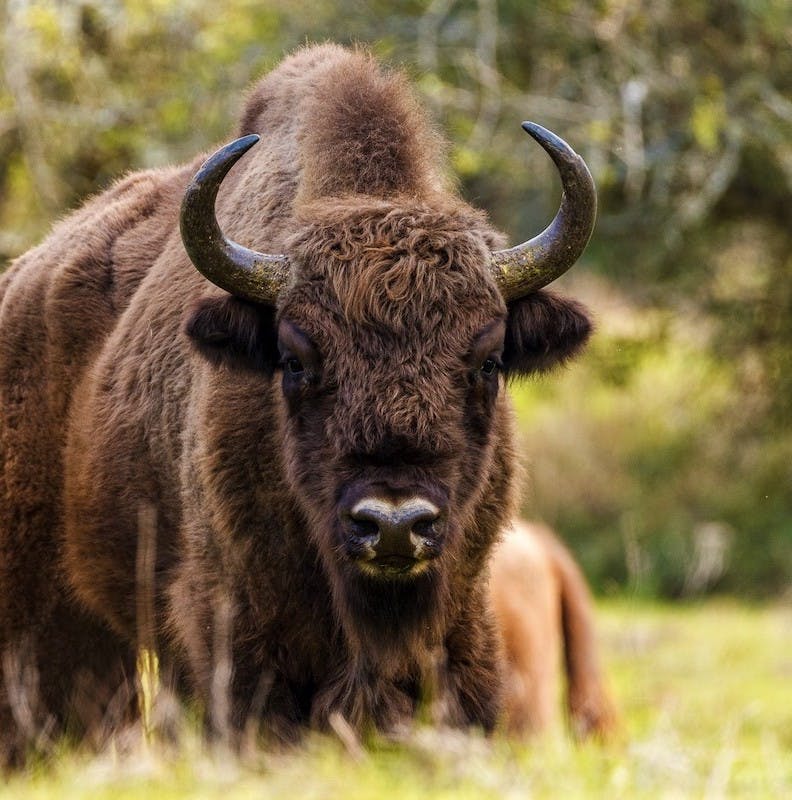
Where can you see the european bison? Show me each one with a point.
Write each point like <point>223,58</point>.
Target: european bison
<point>321,434</point>
<point>542,608</point>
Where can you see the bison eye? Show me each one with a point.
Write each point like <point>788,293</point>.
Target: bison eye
<point>489,366</point>
<point>295,366</point>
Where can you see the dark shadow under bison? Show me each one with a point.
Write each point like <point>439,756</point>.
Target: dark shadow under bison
<point>320,436</point>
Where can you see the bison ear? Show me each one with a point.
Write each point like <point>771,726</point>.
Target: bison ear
<point>234,332</point>
<point>543,331</point>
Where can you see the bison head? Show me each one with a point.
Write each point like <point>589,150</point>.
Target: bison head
<point>393,322</point>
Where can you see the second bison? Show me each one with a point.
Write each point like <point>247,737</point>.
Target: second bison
<point>543,612</point>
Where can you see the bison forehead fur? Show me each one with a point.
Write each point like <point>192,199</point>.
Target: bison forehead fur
<point>332,471</point>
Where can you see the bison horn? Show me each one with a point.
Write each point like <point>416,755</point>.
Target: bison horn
<point>535,263</point>
<point>242,272</point>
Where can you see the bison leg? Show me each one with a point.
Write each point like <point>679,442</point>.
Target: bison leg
<point>70,676</point>
<point>470,682</point>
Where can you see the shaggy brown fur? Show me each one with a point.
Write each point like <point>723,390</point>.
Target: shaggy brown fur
<point>542,606</point>
<point>127,381</point>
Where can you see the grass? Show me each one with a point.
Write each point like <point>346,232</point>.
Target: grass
<point>705,692</point>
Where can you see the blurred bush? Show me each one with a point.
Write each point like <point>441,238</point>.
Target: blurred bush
<point>652,454</point>
<point>665,456</point>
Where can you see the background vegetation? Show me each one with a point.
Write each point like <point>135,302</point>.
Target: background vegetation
<point>665,455</point>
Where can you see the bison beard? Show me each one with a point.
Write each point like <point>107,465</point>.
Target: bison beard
<point>324,438</point>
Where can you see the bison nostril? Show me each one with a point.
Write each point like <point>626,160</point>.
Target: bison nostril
<point>363,528</point>
<point>424,527</point>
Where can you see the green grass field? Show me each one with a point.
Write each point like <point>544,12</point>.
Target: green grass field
<point>705,693</point>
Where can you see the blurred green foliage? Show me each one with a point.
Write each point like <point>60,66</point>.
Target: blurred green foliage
<point>665,455</point>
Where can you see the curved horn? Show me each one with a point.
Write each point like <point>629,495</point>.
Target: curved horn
<point>242,272</point>
<point>535,263</point>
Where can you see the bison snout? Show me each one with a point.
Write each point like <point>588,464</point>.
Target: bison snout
<point>393,535</point>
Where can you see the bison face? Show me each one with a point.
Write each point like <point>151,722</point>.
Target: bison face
<point>391,345</point>
<point>381,426</point>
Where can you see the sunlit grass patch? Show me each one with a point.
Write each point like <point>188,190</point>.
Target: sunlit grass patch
<point>708,693</point>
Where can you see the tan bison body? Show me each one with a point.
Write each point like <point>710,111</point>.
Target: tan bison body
<point>544,613</point>
<point>322,434</point>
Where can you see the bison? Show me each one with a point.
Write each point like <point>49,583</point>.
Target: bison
<point>542,608</point>
<point>315,427</point>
